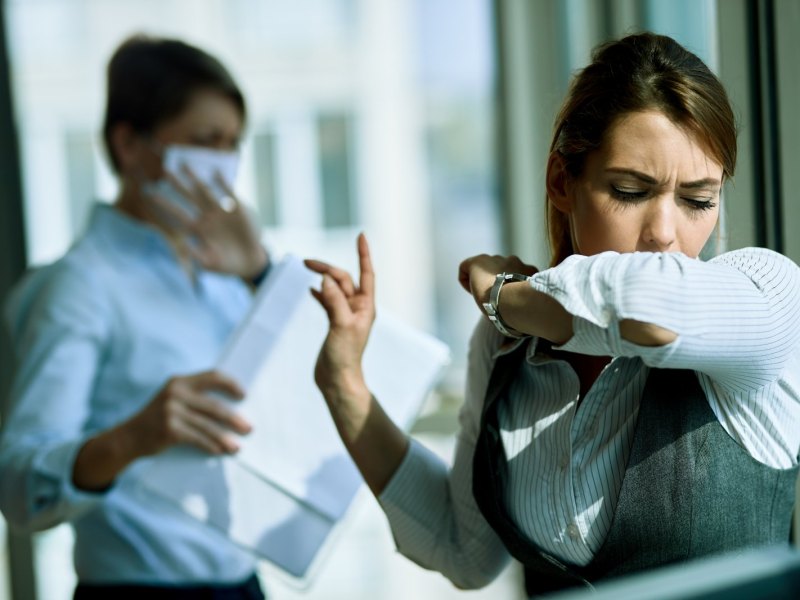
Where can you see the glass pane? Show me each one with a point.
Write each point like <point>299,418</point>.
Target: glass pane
<point>692,23</point>
<point>362,115</point>
<point>79,152</point>
<point>55,578</point>
<point>335,150</point>
<point>265,174</point>
<point>5,581</point>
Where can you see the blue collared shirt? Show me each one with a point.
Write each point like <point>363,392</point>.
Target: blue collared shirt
<point>97,334</point>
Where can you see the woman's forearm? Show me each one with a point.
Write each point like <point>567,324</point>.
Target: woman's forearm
<point>530,311</point>
<point>534,313</point>
<point>102,458</point>
<point>375,443</point>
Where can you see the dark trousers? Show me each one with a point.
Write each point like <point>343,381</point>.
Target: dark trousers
<point>248,590</point>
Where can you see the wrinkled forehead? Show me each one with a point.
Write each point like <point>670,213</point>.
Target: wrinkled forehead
<point>652,143</point>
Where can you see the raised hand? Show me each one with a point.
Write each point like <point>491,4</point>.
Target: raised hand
<point>223,235</point>
<point>375,443</point>
<point>351,312</point>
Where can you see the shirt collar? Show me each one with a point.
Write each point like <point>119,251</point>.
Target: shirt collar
<point>118,230</point>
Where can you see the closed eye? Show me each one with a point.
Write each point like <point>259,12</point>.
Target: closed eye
<point>214,141</point>
<point>698,204</point>
<point>628,194</point>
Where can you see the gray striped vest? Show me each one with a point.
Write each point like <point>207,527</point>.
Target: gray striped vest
<point>689,489</point>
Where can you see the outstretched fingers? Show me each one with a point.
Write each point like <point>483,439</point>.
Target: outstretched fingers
<point>367,277</point>
<point>343,278</point>
<point>229,202</point>
<point>198,192</point>
<point>340,276</point>
<point>216,381</point>
<point>333,300</point>
<point>338,294</point>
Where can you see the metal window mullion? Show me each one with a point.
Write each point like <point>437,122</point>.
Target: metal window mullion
<point>768,141</point>
<point>786,23</point>
<point>22,578</point>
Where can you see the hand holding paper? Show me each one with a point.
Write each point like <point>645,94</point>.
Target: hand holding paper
<point>186,410</point>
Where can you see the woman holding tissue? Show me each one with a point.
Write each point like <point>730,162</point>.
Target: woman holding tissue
<point>115,340</point>
<point>629,407</point>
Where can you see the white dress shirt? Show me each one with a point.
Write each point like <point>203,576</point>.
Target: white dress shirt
<point>737,318</point>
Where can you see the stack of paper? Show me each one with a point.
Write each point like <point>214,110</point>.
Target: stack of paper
<point>292,481</point>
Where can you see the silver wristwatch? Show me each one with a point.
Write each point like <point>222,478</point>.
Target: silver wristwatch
<point>494,299</point>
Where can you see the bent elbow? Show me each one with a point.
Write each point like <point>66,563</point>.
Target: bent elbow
<point>24,511</point>
<point>645,334</point>
<point>466,573</point>
<point>472,583</point>
<point>21,519</point>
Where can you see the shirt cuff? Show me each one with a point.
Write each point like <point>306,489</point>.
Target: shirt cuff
<point>258,279</point>
<point>54,489</point>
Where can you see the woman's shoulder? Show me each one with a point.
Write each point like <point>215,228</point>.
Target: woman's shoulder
<point>71,289</point>
<point>81,272</point>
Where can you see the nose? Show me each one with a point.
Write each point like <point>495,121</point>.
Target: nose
<point>659,228</point>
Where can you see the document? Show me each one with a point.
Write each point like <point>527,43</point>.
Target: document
<point>292,481</point>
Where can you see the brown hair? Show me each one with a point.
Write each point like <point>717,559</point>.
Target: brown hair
<point>151,80</point>
<point>639,72</point>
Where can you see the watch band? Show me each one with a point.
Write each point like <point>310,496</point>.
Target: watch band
<point>494,300</point>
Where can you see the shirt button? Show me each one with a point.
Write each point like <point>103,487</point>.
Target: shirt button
<point>573,532</point>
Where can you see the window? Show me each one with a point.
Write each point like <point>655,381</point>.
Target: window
<point>335,160</point>
<point>79,151</point>
<point>363,115</point>
<point>265,174</point>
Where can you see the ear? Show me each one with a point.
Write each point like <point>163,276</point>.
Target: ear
<point>126,146</point>
<point>557,180</point>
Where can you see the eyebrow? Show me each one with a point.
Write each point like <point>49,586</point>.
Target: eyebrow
<point>708,182</point>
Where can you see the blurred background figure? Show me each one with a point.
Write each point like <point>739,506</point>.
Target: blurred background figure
<point>358,116</point>
<point>115,340</point>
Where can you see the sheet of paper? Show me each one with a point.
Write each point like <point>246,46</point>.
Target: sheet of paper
<point>292,480</point>
<point>256,515</point>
